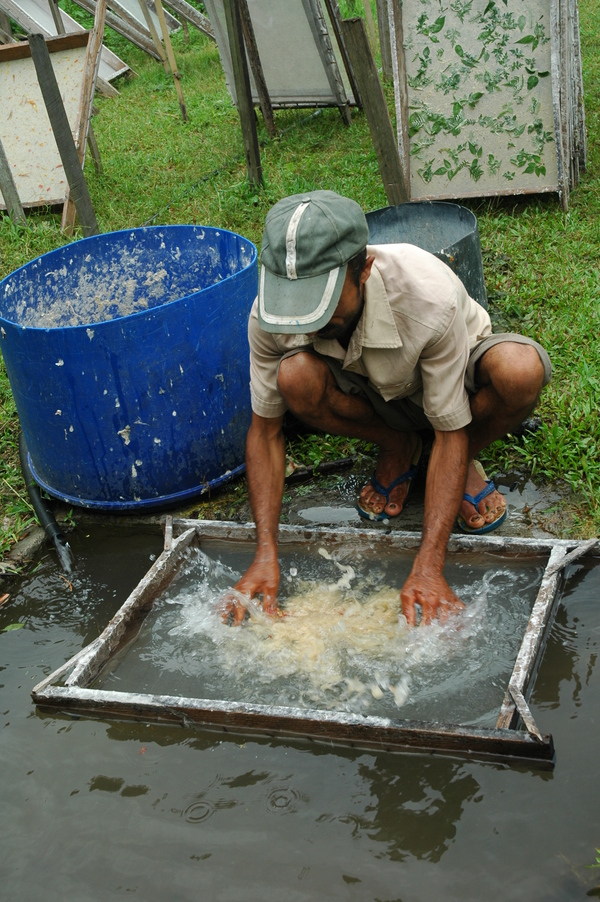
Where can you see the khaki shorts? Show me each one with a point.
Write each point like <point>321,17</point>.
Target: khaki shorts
<point>402,414</point>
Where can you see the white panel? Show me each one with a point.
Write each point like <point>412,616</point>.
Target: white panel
<point>25,129</point>
<point>35,16</point>
<point>292,65</point>
<point>481,97</point>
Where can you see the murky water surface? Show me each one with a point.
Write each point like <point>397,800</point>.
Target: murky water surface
<point>99,810</point>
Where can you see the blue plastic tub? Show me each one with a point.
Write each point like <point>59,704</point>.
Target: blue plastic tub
<point>127,355</point>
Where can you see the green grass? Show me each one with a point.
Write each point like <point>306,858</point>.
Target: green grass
<point>541,265</point>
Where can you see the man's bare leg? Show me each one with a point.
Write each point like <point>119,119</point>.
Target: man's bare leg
<point>311,393</point>
<point>511,377</point>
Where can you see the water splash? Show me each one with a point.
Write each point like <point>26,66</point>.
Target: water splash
<point>342,643</point>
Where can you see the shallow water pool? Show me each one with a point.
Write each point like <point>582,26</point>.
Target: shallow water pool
<point>96,810</point>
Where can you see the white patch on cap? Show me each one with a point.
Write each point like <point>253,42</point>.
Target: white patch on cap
<point>290,240</point>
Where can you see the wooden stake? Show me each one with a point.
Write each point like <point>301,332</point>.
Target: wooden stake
<point>370,24</point>
<point>243,92</point>
<point>384,39</point>
<point>171,57</point>
<point>94,150</point>
<point>378,117</point>
<point>5,26</point>
<point>396,35</point>
<point>190,14</point>
<point>9,190</point>
<point>84,113</point>
<point>257,69</point>
<point>154,34</point>
<point>56,16</point>
<point>335,18</point>
<point>125,24</point>
<point>62,134</point>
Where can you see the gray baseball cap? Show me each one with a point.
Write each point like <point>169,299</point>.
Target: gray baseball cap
<point>307,242</point>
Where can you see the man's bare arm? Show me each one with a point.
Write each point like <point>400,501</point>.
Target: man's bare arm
<point>265,471</point>
<point>446,477</point>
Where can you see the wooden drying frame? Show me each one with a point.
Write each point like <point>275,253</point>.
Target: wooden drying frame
<point>567,101</point>
<point>515,737</point>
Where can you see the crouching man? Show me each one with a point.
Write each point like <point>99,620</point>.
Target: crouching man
<point>378,343</point>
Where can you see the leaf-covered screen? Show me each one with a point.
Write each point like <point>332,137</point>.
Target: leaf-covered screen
<point>480,97</point>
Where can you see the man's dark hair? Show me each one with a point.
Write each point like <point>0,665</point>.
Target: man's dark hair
<point>356,266</point>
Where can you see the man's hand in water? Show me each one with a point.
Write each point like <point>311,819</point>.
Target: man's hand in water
<point>260,579</point>
<point>432,594</point>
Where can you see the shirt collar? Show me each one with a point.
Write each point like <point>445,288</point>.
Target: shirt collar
<point>376,327</point>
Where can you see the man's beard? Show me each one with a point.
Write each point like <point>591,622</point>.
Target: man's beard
<point>342,331</point>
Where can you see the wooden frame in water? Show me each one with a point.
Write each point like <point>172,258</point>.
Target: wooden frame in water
<point>515,735</point>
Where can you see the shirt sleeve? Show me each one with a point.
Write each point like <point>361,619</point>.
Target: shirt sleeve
<point>443,365</point>
<point>264,361</point>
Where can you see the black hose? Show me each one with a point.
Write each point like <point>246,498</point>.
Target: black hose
<point>43,512</point>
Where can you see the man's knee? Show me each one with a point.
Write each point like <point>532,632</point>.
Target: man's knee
<point>301,379</point>
<point>515,371</point>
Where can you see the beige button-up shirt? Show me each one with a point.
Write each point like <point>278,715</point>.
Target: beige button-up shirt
<point>412,341</point>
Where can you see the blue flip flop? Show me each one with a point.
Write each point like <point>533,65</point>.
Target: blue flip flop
<point>474,500</point>
<point>385,491</point>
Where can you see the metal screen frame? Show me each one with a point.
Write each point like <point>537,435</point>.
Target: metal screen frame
<point>515,736</point>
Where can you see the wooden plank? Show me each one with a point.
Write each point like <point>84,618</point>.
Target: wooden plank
<point>21,50</point>
<point>171,58</point>
<point>63,134</point>
<point>533,642</point>
<point>370,25</point>
<point>84,113</point>
<point>386,539</point>
<point>396,36</point>
<point>9,190</point>
<point>257,70</point>
<point>138,36</point>
<point>325,49</point>
<point>335,18</point>
<point>243,92</point>
<point>536,634</point>
<point>385,48</point>
<point>58,22</point>
<point>94,150</point>
<point>295,723</point>
<point>376,110</point>
<point>557,102</point>
<point>579,92</point>
<point>160,51</point>
<point>5,26</point>
<point>129,11</point>
<point>190,14</point>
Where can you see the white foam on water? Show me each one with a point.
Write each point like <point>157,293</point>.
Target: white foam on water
<point>342,642</point>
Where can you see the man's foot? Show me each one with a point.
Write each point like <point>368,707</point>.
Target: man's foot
<point>387,492</point>
<point>485,508</point>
